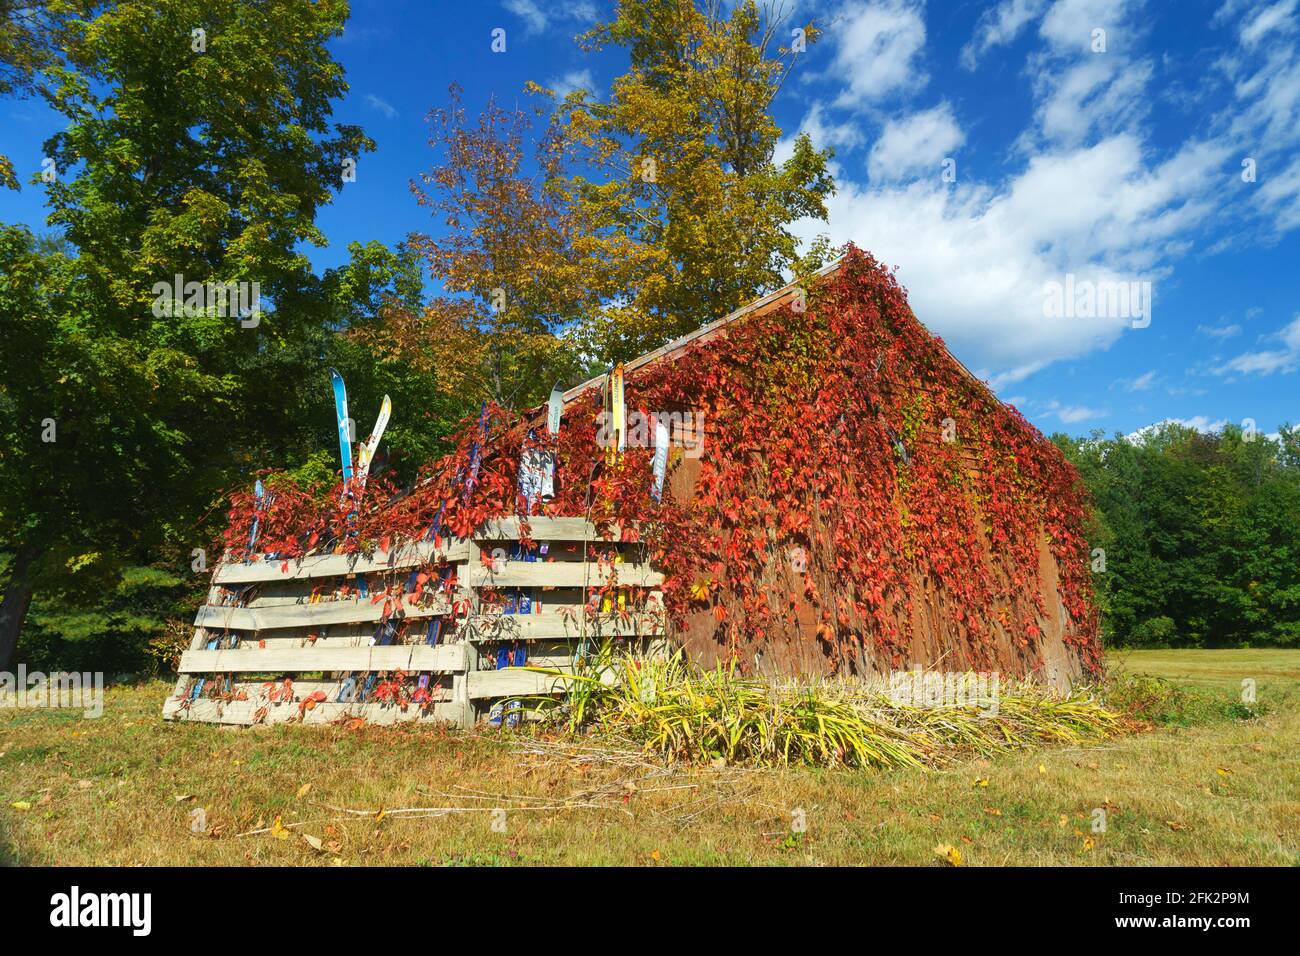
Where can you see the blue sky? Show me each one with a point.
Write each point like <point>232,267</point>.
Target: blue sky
<point>1102,157</point>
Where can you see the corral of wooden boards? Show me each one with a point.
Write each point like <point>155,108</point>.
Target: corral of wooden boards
<point>290,623</point>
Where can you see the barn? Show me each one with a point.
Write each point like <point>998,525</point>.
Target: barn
<point>810,486</point>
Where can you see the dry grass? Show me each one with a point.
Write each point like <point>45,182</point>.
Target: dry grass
<point>120,790</point>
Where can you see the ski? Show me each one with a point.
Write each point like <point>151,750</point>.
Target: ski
<point>259,497</point>
<point>615,415</point>
<point>367,454</point>
<point>554,414</point>
<point>659,466</point>
<point>344,423</point>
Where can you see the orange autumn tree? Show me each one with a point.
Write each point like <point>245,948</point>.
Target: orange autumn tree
<point>510,261</point>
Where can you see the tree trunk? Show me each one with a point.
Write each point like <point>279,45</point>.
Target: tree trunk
<point>13,609</point>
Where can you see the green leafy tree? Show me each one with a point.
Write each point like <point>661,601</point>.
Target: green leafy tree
<point>1201,535</point>
<point>198,143</point>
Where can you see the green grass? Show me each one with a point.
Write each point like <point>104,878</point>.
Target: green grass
<point>1210,790</point>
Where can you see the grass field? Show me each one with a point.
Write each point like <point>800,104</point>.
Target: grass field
<point>1202,789</point>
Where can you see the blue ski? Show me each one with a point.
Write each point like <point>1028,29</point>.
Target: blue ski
<point>344,423</point>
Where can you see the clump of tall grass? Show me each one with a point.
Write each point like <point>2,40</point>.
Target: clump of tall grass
<point>682,712</point>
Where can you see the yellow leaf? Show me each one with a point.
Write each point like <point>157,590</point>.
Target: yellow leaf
<point>381,814</point>
<point>21,805</point>
<point>1064,821</point>
<point>1042,769</point>
<point>304,790</point>
<point>654,855</point>
<point>981,781</point>
<point>1223,771</point>
<point>279,830</point>
<point>993,811</point>
<point>948,854</point>
<point>1088,844</point>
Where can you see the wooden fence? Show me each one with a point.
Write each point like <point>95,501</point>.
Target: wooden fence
<point>336,637</point>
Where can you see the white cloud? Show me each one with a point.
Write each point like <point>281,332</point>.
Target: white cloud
<point>1274,18</point>
<point>1200,423</point>
<point>1099,93</point>
<point>1068,25</point>
<point>823,132</point>
<point>916,142</point>
<point>573,80</point>
<point>1081,91</point>
<point>976,258</point>
<point>1142,382</point>
<point>1219,331</point>
<point>999,26</point>
<point>537,17</point>
<point>1092,195</point>
<point>1073,414</point>
<point>1268,361</point>
<point>1279,197</point>
<point>380,105</point>
<point>876,46</point>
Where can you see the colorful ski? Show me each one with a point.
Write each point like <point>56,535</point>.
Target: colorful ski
<point>554,415</point>
<point>344,423</point>
<point>367,454</point>
<point>259,499</point>
<point>615,415</point>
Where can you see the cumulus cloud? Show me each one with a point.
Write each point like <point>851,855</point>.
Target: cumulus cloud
<point>999,26</point>
<point>919,141</point>
<point>876,50</point>
<point>1285,358</point>
<point>977,258</point>
<point>1091,196</point>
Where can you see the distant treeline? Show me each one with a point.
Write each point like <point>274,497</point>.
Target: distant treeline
<point>1200,534</point>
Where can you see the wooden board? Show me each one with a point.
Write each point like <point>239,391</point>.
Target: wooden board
<point>551,626</point>
<point>513,682</point>
<point>408,657</point>
<point>306,615</point>
<point>243,711</point>
<point>559,574</point>
<point>545,529</point>
<point>330,565</point>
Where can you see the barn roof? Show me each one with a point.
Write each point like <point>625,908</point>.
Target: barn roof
<point>767,303</point>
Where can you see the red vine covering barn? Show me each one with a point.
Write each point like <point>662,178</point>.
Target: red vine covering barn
<point>843,496</point>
